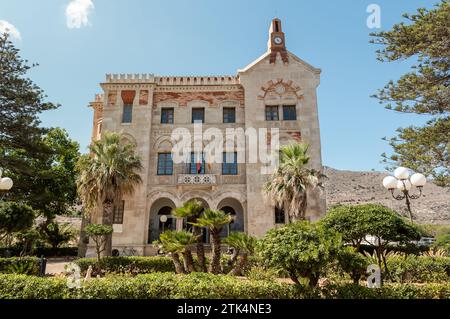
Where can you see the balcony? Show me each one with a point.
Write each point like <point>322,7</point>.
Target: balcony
<point>197,179</point>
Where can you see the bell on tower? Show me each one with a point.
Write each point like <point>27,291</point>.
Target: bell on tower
<point>276,42</point>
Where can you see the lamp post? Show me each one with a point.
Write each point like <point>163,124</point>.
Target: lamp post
<point>163,220</point>
<point>6,184</point>
<point>404,183</point>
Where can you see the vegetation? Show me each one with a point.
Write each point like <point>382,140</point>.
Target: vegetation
<point>287,187</point>
<point>58,234</point>
<point>301,249</point>
<point>214,220</point>
<point>424,90</point>
<point>385,226</point>
<point>192,210</point>
<point>244,245</point>
<point>99,234</point>
<point>20,265</point>
<point>106,174</point>
<point>131,265</point>
<point>177,243</point>
<point>14,217</point>
<point>193,286</point>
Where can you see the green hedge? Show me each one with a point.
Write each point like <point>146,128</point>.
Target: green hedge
<point>419,269</point>
<point>200,286</point>
<point>126,265</point>
<point>389,291</point>
<point>20,265</point>
<point>151,286</point>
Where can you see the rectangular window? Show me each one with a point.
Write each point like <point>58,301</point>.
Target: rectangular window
<point>198,114</point>
<point>118,213</point>
<point>272,113</point>
<point>289,113</point>
<point>197,166</point>
<point>127,115</point>
<point>229,115</point>
<point>167,115</point>
<point>229,165</point>
<point>165,164</point>
<point>280,216</point>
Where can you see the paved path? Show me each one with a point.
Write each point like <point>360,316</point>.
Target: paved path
<point>56,266</point>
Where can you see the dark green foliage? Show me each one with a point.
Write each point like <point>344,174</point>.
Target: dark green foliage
<point>424,90</point>
<point>132,265</point>
<point>20,265</point>
<point>443,242</point>
<point>58,234</point>
<point>14,217</point>
<point>301,249</point>
<point>99,234</point>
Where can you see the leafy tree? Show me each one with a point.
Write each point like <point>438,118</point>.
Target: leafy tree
<point>424,90</point>
<point>106,174</point>
<point>356,223</point>
<point>353,263</point>
<point>214,220</point>
<point>244,246</point>
<point>21,102</point>
<point>58,234</point>
<point>14,217</point>
<point>99,234</point>
<point>287,187</point>
<point>301,249</point>
<point>192,210</point>
<point>51,189</point>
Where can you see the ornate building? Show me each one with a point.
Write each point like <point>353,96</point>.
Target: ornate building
<point>278,90</point>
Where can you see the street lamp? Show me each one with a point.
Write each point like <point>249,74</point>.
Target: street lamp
<point>163,220</point>
<point>404,183</point>
<point>5,183</point>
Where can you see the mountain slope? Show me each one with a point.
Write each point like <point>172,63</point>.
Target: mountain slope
<point>347,187</point>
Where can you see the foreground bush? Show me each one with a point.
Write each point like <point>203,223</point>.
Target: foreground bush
<point>126,264</point>
<point>419,269</point>
<point>200,286</point>
<point>20,265</point>
<point>151,286</point>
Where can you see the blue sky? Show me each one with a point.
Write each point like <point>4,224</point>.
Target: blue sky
<point>215,37</point>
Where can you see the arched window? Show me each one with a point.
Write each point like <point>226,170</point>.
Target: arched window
<point>227,229</point>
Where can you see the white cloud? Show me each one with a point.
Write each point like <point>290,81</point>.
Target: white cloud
<point>77,13</point>
<point>6,27</point>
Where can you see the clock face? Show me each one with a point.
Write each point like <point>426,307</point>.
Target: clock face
<point>277,40</point>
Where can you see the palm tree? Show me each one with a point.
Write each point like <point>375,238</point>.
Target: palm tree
<point>179,242</point>
<point>192,210</point>
<point>170,245</point>
<point>244,246</point>
<point>106,174</point>
<point>288,186</point>
<point>214,220</point>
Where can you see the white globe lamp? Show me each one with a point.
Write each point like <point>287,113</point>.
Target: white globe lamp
<point>401,173</point>
<point>418,180</point>
<point>6,183</point>
<point>390,182</point>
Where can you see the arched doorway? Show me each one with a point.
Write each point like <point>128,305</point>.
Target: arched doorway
<point>234,208</point>
<point>161,207</point>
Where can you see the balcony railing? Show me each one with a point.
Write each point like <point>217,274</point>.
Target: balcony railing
<point>197,179</point>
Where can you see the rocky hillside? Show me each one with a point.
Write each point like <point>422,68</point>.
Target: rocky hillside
<point>347,187</point>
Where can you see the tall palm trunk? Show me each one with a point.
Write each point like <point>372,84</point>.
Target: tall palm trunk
<point>200,249</point>
<point>108,208</point>
<point>82,241</point>
<point>179,269</point>
<point>188,260</point>
<point>216,250</point>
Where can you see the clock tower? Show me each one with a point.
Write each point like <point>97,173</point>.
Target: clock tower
<point>276,42</point>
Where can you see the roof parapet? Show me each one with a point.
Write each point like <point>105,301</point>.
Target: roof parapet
<point>173,80</point>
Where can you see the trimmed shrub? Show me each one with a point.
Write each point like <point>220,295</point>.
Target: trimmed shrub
<point>391,291</point>
<point>419,269</point>
<point>201,286</point>
<point>133,265</point>
<point>20,265</point>
<point>151,286</point>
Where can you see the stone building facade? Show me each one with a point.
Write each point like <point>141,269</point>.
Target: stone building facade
<point>278,90</point>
